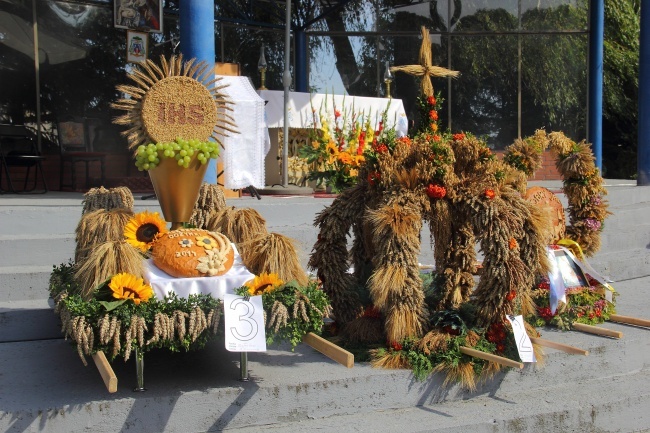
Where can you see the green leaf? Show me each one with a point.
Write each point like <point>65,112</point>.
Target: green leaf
<point>110,306</point>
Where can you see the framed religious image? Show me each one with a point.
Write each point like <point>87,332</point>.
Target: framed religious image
<point>143,15</point>
<point>136,46</point>
<point>571,273</point>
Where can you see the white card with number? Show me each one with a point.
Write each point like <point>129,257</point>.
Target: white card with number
<point>524,345</point>
<point>244,323</point>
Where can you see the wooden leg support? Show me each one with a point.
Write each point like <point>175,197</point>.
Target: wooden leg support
<point>329,349</point>
<point>596,330</point>
<point>630,320</point>
<point>106,371</point>
<point>559,346</point>
<point>490,357</point>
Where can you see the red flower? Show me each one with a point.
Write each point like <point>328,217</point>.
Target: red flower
<point>373,177</point>
<point>395,345</point>
<point>458,137</point>
<point>381,148</point>
<point>511,295</point>
<point>512,243</point>
<point>436,138</point>
<point>489,193</point>
<point>433,115</point>
<point>337,114</point>
<point>500,347</point>
<point>436,191</point>
<point>431,100</point>
<point>372,312</point>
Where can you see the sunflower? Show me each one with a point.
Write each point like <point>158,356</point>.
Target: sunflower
<point>263,283</point>
<point>128,286</point>
<point>143,229</point>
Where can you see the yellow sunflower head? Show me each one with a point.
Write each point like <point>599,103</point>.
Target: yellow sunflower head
<point>143,229</point>
<point>263,283</point>
<point>128,286</point>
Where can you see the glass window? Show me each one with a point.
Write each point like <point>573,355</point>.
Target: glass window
<point>18,89</point>
<point>484,15</point>
<point>411,15</point>
<point>554,84</point>
<point>484,96</point>
<point>553,15</point>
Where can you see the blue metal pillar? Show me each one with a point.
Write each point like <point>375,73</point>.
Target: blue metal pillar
<point>643,142</point>
<point>197,41</point>
<point>595,121</point>
<point>300,38</point>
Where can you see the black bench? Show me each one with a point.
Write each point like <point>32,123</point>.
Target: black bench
<point>17,149</point>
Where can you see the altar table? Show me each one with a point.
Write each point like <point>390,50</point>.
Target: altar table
<point>301,116</point>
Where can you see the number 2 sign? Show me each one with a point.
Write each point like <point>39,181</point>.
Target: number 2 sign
<point>524,346</point>
<point>244,323</point>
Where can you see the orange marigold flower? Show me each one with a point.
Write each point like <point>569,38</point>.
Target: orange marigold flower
<point>431,100</point>
<point>512,243</point>
<point>404,140</point>
<point>489,193</point>
<point>436,138</point>
<point>511,295</point>
<point>436,191</point>
<point>381,148</point>
<point>433,115</point>
<point>434,127</point>
<point>459,136</point>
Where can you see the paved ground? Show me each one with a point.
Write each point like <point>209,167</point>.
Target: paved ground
<point>44,386</point>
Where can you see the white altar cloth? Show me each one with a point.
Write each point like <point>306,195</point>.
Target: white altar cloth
<point>301,115</point>
<point>163,283</point>
<point>244,153</point>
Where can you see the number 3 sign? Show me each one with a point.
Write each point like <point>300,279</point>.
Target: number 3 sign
<point>244,322</point>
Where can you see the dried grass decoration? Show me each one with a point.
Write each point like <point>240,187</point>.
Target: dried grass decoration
<point>99,226</point>
<point>173,101</point>
<point>107,199</point>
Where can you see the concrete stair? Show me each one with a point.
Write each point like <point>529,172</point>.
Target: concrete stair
<point>44,386</point>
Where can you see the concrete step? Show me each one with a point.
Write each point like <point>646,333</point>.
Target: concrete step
<point>22,321</point>
<point>622,265</point>
<point>625,238</point>
<point>304,391</point>
<point>24,283</point>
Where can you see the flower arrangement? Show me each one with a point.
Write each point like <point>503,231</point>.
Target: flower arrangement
<point>338,148</point>
<point>428,109</point>
<point>586,305</point>
<point>290,310</point>
<point>124,315</point>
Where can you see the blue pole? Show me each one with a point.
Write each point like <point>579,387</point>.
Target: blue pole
<point>643,142</point>
<point>595,121</point>
<point>197,41</point>
<point>300,36</point>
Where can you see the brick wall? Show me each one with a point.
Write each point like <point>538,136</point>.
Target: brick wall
<point>548,170</point>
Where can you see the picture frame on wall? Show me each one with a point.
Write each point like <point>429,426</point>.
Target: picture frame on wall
<point>571,273</point>
<point>137,44</point>
<point>141,15</point>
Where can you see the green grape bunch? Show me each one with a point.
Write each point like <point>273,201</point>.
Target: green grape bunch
<point>149,156</point>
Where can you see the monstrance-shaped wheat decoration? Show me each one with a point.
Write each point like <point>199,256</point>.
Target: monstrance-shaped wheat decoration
<point>170,101</point>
